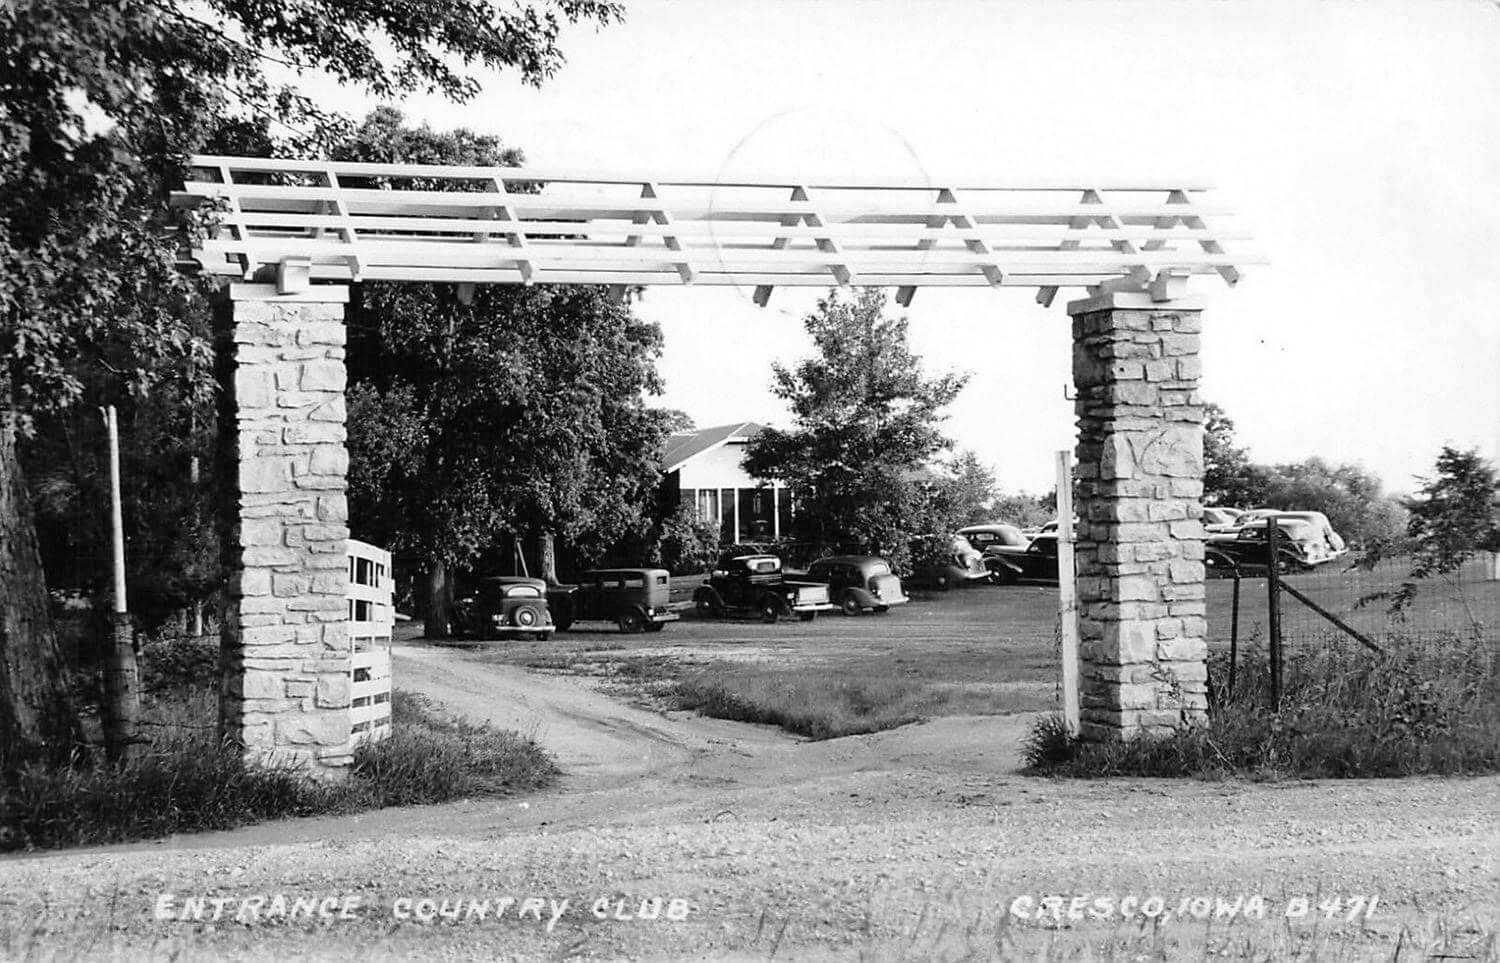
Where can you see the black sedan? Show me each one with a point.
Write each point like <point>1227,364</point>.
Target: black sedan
<point>1035,562</point>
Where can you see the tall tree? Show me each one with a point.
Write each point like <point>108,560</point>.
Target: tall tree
<point>521,414</point>
<point>865,420</point>
<point>97,104</point>
<point>1454,515</point>
<point>1229,477</point>
<point>960,492</point>
<point>511,413</point>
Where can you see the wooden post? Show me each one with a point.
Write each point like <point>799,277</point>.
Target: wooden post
<point>1234,631</point>
<point>122,698</point>
<point>1067,595</point>
<point>195,626</point>
<point>1273,601</point>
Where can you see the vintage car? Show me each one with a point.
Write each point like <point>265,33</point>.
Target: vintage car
<point>756,583</point>
<point>995,535</point>
<point>1332,542</point>
<point>502,607</point>
<point>1307,542</point>
<point>1034,562</point>
<point>858,583</point>
<point>944,561</point>
<point>1216,519</point>
<point>635,599</point>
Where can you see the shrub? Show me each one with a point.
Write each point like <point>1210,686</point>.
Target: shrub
<point>180,662</point>
<point>428,758</point>
<point>686,545</point>
<point>188,782</point>
<point>1425,707</point>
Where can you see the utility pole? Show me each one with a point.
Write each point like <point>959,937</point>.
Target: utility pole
<point>122,697</point>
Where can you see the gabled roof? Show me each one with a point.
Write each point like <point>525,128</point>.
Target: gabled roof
<point>682,447</point>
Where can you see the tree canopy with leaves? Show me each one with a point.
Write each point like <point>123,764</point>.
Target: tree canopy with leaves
<point>865,422</point>
<point>98,105</point>
<point>516,413</point>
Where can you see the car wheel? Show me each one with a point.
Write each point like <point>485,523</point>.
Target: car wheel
<point>631,622</point>
<point>942,583</point>
<point>708,609</point>
<point>850,606</point>
<point>527,618</point>
<point>882,609</point>
<point>770,611</point>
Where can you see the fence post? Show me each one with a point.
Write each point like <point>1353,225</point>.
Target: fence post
<point>1234,631</point>
<point>1273,601</point>
<point>1067,590</point>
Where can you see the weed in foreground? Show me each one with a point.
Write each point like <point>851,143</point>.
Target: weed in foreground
<point>187,782</point>
<point>1429,706</point>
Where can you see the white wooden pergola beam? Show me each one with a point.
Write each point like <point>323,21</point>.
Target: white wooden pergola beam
<point>353,221</point>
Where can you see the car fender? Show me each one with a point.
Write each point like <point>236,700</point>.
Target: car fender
<point>863,596</point>
<point>997,562</point>
<point>709,594</point>
<point>782,605</point>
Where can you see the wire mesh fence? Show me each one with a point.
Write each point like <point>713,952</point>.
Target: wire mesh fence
<point>1358,601</point>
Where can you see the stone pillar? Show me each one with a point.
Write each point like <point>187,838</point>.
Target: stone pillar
<point>284,652</point>
<point>1140,538</point>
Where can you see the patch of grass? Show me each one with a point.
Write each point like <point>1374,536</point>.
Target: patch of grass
<point>1425,707</point>
<point>429,758</point>
<point>815,706</point>
<point>187,782</point>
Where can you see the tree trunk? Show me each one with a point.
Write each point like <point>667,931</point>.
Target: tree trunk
<point>546,550</point>
<point>438,601</point>
<point>36,707</point>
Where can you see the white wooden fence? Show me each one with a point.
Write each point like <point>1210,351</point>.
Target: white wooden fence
<point>371,619</point>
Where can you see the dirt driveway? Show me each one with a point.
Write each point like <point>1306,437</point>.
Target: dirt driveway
<point>917,843</point>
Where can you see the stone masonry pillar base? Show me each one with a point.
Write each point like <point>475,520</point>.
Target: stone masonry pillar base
<point>284,651</point>
<point>1140,537</point>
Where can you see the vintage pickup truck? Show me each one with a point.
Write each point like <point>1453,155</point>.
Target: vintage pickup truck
<point>755,583</point>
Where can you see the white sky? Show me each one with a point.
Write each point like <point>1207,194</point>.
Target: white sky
<point>1358,140</point>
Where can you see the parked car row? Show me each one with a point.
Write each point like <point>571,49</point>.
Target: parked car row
<point>1236,542</point>
<point>749,580</point>
<point>638,599</point>
<point>1307,541</point>
<point>635,599</point>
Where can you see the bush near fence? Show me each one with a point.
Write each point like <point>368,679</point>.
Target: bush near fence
<point>1425,706</point>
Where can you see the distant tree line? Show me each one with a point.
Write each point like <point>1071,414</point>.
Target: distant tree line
<point>1351,496</point>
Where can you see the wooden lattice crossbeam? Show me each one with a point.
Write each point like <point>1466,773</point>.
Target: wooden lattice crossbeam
<point>413,222</point>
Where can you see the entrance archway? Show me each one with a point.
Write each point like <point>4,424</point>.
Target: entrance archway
<point>294,233</point>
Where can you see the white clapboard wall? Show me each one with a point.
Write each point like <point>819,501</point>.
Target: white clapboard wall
<point>371,619</point>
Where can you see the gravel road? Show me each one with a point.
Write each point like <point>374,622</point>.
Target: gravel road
<point>918,843</point>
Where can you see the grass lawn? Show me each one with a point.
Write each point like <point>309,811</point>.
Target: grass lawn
<point>976,651</point>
